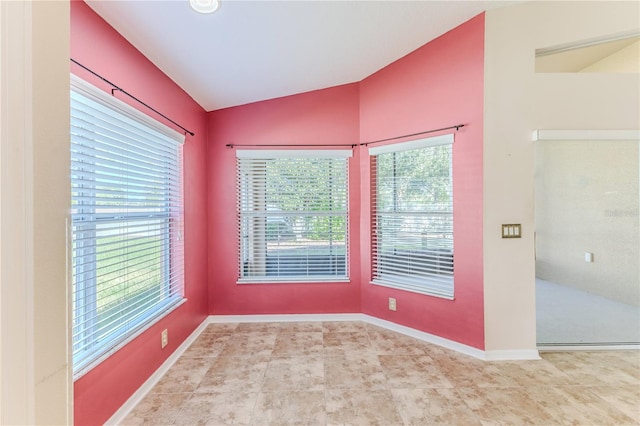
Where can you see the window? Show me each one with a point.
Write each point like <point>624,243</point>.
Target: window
<point>292,208</point>
<point>412,216</point>
<point>126,213</point>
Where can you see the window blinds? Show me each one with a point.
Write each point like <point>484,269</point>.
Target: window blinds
<point>292,209</point>
<point>126,221</point>
<point>412,216</point>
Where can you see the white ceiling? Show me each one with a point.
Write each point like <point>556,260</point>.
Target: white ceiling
<point>255,50</point>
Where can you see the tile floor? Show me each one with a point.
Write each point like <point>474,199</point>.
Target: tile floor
<point>352,373</point>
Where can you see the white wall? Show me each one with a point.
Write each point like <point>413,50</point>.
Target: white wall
<point>34,205</point>
<point>518,101</point>
<point>587,201</point>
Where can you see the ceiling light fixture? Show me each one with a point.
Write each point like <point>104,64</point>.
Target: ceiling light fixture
<point>205,6</point>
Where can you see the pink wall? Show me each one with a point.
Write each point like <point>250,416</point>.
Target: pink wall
<point>100,392</point>
<point>328,116</point>
<point>438,85</point>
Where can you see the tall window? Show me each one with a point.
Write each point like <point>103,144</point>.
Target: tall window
<point>292,208</point>
<point>126,222</point>
<point>412,216</point>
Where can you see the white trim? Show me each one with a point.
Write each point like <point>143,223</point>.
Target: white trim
<point>293,153</point>
<point>512,355</point>
<point>426,337</point>
<point>17,337</point>
<point>92,92</point>
<point>415,144</point>
<point>586,43</point>
<point>292,280</point>
<point>407,331</point>
<point>143,390</point>
<point>585,135</point>
<point>221,319</point>
<point>413,288</point>
<point>577,348</point>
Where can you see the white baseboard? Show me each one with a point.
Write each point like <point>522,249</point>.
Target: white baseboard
<point>426,337</point>
<point>215,319</point>
<point>512,355</point>
<point>143,390</point>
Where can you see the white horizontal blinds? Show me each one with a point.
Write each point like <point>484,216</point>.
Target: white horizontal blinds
<point>126,223</point>
<point>292,208</point>
<point>412,216</point>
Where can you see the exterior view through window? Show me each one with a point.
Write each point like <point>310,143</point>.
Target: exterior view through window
<point>126,222</point>
<point>293,215</point>
<point>412,216</point>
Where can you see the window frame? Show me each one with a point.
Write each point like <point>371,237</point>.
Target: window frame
<point>170,226</point>
<point>439,286</point>
<point>264,155</point>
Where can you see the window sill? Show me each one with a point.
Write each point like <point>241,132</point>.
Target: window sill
<point>411,288</point>
<point>293,280</point>
<point>144,327</point>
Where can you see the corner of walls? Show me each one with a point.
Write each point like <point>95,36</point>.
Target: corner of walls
<point>95,44</point>
<point>327,116</point>
<point>432,88</point>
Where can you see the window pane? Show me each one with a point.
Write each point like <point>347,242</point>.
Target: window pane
<point>293,218</point>
<point>126,225</point>
<point>412,214</point>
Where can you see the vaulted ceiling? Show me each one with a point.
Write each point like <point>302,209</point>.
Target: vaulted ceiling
<point>249,51</point>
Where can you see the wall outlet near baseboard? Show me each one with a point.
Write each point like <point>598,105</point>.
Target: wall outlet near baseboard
<point>164,338</point>
<point>392,304</point>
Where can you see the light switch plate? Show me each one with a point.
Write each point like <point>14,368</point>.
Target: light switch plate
<point>512,230</point>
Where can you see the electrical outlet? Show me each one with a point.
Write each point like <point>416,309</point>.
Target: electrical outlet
<point>392,304</point>
<point>164,338</point>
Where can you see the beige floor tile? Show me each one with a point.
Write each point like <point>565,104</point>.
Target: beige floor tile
<point>354,371</point>
<point>532,373</point>
<point>577,405</point>
<point>313,373</point>
<point>593,368</point>
<point>294,373</point>
<point>234,374</point>
<point>624,398</point>
<point>230,408</point>
<point>207,345</point>
<point>355,407</point>
<point>249,344</point>
<point>157,409</point>
<point>301,343</point>
<point>300,327</point>
<point>222,328</point>
<point>474,372</point>
<point>504,406</point>
<point>290,408</point>
<point>340,343</point>
<point>439,406</point>
<point>183,376</point>
<point>418,371</point>
<point>386,342</point>
<point>344,327</point>
<point>258,327</point>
